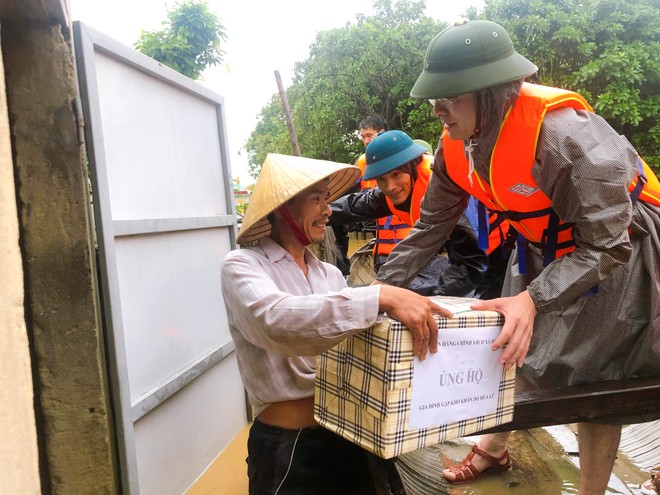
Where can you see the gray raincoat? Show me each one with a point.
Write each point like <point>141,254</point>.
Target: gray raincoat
<point>584,167</point>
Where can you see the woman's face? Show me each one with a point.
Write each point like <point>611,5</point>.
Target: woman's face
<point>396,185</point>
<point>459,115</point>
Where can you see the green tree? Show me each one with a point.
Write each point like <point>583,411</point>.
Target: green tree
<point>364,67</point>
<point>270,135</point>
<point>606,50</point>
<point>190,41</point>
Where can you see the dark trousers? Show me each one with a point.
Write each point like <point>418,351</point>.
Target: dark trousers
<point>308,461</point>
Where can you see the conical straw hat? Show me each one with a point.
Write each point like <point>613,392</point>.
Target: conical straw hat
<point>280,179</point>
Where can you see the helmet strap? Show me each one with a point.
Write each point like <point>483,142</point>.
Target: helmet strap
<point>477,97</point>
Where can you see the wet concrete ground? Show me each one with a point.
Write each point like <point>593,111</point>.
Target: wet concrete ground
<point>544,463</point>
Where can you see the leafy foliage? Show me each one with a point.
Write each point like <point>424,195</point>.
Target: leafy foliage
<point>606,50</point>
<point>270,135</point>
<point>361,68</point>
<point>189,42</point>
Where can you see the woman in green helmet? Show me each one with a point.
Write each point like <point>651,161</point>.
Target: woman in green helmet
<point>582,291</point>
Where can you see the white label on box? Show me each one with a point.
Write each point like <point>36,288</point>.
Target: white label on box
<point>460,381</point>
<point>456,305</point>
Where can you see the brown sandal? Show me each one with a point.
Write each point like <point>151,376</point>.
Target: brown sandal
<point>466,471</point>
<point>652,486</point>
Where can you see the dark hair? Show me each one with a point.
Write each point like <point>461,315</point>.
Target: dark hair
<point>373,121</point>
<point>410,167</point>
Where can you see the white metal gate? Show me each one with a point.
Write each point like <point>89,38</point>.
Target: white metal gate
<point>164,208</point>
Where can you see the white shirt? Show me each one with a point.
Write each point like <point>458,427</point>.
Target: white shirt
<point>281,320</point>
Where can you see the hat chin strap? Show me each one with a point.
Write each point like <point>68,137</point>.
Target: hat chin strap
<point>284,212</point>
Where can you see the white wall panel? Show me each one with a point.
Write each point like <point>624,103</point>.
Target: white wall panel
<point>180,438</point>
<point>164,211</point>
<point>164,156</point>
<point>171,302</point>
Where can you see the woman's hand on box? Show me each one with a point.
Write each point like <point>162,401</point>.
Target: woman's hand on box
<point>416,313</point>
<point>519,313</point>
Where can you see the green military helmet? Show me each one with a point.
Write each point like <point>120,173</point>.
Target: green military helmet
<point>390,150</point>
<point>426,145</point>
<point>467,57</point>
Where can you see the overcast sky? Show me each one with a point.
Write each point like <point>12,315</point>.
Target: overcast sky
<point>263,36</point>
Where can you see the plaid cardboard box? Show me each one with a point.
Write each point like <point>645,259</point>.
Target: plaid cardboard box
<point>364,387</point>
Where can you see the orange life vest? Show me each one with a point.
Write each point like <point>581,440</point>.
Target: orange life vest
<point>513,190</point>
<point>362,165</point>
<point>386,227</point>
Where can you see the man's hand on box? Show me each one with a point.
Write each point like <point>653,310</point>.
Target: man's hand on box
<point>416,313</point>
<point>519,313</point>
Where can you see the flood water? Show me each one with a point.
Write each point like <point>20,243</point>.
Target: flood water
<point>542,465</point>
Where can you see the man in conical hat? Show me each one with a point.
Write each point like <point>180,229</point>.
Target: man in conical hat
<point>285,307</point>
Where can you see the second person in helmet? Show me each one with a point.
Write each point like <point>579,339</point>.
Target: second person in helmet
<point>401,169</point>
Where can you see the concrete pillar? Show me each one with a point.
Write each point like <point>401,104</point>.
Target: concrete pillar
<point>62,312</point>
